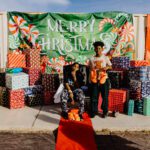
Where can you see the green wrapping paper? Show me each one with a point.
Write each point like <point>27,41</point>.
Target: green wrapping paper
<point>130,108</point>
<point>146,106</point>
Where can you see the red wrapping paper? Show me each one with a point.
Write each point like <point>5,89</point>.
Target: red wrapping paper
<point>33,58</point>
<point>16,99</point>
<point>116,100</point>
<point>138,63</point>
<point>48,97</point>
<point>34,75</point>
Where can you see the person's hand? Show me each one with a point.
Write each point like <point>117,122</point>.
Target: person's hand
<point>72,102</point>
<point>104,69</point>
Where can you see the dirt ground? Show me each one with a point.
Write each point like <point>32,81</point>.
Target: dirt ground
<point>46,141</point>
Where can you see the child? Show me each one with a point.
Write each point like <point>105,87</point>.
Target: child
<point>73,92</point>
<point>99,64</point>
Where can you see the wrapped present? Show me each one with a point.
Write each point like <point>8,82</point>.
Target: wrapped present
<point>36,89</point>
<point>138,106</point>
<point>145,88</point>
<point>16,98</point>
<point>138,63</point>
<point>33,58</point>
<point>125,79</point>
<point>34,76</point>
<point>130,107</point>
<point>17,81</point>
<point>135,89</point>
<point>116,100</point>
<point>16,60</point>
<point>34,100</point>
<point>148,73</point>
<point>2,79</point>
<point>33,90</point>
<point>13,70</point>
<point>138,73</point>
<point>48,97</point>
<point>50,82</point>
<point>3,96</point>
<point>121,62</point>
<point>146,106</point>
<point>116,78</point>
<point>139,89</point>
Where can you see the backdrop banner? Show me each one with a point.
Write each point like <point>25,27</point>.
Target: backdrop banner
<point>69,37</point>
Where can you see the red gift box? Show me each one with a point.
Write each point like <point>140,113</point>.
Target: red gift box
<point>116,100</point>
<point>16,99</point>
<point>34,75</point>
<point>138,63</point>
<point>16,60</point>
<point>48,97</point>
<point>50,82</point>
<point>33,58</point>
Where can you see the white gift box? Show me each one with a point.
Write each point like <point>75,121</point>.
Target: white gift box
<point>17,80</point>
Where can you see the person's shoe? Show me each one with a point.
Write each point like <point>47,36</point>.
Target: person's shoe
<point>92,115</point>
<point>81,117</point>
<point>64,115</point>
<point>104,115</point>
<point>115,113</point>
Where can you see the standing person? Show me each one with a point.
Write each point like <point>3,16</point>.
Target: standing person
<point>99,64</point>
<point>73,92</point>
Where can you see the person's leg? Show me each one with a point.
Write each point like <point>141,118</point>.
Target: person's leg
<point>80,96</point>
<point>64,100</point>
<point>104,88</point>
<point>94,99</point>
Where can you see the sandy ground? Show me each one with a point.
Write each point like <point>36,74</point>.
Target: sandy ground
<point>46,141</point>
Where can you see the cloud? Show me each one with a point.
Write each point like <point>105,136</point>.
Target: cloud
<point>57,2</point>
<point>33,5</point>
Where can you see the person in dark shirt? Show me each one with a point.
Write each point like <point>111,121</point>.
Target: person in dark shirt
<point>73,82</point>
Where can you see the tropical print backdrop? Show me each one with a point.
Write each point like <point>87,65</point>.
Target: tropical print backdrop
<point>69,37</point>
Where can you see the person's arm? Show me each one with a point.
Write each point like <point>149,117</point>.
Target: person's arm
<point>108,64</point>
<point>90,64</point>
<point>70,93</point>
<point>68,88</point>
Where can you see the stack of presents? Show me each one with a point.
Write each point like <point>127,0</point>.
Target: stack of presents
<point>130,86</point>
<point>22,82</point>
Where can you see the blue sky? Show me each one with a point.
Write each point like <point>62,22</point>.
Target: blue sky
<point>131,6</point>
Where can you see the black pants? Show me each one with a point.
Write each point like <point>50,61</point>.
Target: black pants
<point>96,89</point>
